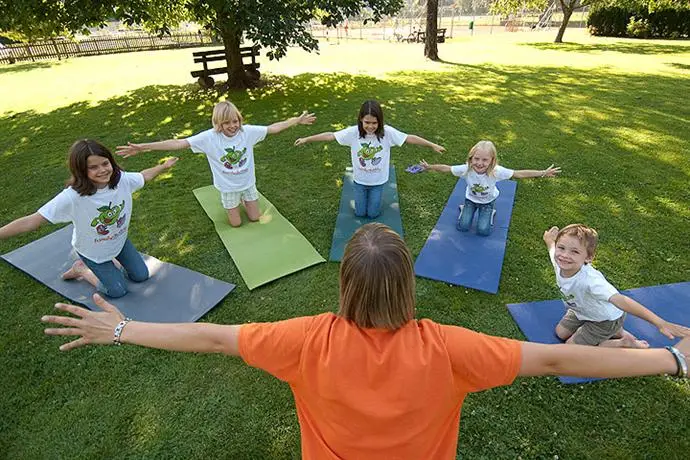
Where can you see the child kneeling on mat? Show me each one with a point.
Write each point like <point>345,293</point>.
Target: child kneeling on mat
<point>596,310</point>
<point>229,148</point>
<point>370,145</point>
<point>98,202</point>
<point>482,172</point>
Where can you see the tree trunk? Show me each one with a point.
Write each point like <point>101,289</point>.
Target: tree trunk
<point>431,40</point>
<point>567,9</point>
<point>237,77</point>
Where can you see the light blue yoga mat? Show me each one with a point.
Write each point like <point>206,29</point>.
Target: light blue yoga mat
<point>538,320</point>
<point>464,258</point>
<point>347,223</point>
<point>172,294</point>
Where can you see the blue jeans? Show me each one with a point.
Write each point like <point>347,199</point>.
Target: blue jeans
<point>367,200</point>
<point>484,213</point>
<point>111,279</point>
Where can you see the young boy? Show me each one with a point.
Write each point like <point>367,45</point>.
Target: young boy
<point>596,310</point>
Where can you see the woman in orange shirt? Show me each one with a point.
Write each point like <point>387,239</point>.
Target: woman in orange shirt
<point>357,375</point>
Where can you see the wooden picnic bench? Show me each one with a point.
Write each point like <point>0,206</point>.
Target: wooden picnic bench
<point>420,36</point>
<point>204,57</point>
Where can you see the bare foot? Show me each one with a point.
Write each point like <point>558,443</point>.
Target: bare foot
<point>628,342</point>
<point>77,271</point>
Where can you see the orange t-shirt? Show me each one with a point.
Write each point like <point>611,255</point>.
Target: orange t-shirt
<point>376,393</point>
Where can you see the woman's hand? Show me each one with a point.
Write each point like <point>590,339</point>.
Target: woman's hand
<point>93,327</point>
<point>438,148</point>
<point>300,141</point>
<point>425,166</point>
<point>551,171</point>
<point>306,118</point>
<point>128,150</point>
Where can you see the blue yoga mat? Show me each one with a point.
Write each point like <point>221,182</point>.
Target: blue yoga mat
<point>347,223</point>
<point>537,320</point>
<point>464,258</point>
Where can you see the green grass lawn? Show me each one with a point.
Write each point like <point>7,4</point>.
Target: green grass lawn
<point>612,113</point>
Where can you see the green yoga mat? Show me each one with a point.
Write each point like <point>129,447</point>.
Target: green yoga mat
<point>262,251</point>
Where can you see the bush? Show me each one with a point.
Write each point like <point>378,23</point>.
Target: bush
<point>640,19</point>
<point>638,28</point>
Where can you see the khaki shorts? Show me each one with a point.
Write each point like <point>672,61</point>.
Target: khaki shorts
<point>232,200</point>
<point>591,332</point>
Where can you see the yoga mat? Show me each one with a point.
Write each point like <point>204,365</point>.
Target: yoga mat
<point>262,251</point>
<point>464,258</point>
<point>537,320</point>
<point>173,294</point>
<point>347,223</point>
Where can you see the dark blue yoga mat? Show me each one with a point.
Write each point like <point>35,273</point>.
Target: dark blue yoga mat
<point>172,294</point>
<point>537,320</point>
<point>464,258</point>
<point>347,223</point>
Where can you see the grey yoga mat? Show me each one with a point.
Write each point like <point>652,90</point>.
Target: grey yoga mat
<point>173,294</point>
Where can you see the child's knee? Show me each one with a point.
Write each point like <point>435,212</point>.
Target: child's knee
<point>139,277</point>
<point>484,231</point>
<point>114,291</point>
<point>373,214</point>
<point>563,333</point>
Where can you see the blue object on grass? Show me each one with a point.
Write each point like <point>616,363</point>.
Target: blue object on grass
<point>347,223</point>
<point>172,294</point>
<point>538,320</point>
<point>414,169</point>
<point>465,258</point>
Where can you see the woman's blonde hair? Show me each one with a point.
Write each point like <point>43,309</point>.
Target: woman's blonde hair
<point>377,284</point>
<point>223,112</point>
<point>483,146</point>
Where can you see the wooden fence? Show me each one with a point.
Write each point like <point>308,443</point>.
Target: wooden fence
<point>62,48</point>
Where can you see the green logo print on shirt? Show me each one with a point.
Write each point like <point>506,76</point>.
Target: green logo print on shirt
<point>108,216</point>
<point>367,152</point>
<point>569,300</point>
<point>234,158</point>
<point>479,189</point>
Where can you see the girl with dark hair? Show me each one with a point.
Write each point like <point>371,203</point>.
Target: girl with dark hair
<point>98,202</point>
<point>370,143</point>
<point>371,381</point>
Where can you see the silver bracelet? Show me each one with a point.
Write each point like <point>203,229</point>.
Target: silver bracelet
<point>118,330</point>
<point>680,361</point>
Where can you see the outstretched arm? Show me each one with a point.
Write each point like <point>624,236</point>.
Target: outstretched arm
<point>323,137</point>
<point>633,307</point>
<point>131,149</point>
<point>97,327</point>
<point>304,119</point>
<point>588,361</point>
<point>151,173</point>
<point>416,140</point>
<point>438,168</point>
<point>22,225</point>
<point>551,171</point>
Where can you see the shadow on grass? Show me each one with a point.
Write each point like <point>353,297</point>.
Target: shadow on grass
<point>26,66</point>
<point>678,65</point>
<point>620,47</point>
<point>621,141</point>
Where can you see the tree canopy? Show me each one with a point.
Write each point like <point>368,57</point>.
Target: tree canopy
<point>272,24</point>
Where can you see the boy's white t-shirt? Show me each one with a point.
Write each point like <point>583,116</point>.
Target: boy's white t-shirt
<point>101,220</point>
<point>481,188</point>
<point>587,293</point>
<point>231,158</point>
<point>370,156</point>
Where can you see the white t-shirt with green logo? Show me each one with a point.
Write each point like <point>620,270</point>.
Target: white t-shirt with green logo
<point>370,156</point>
<point>587,293</point>
<point>231,158</point>
<point>101,220</point>
<point>481,188</point>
